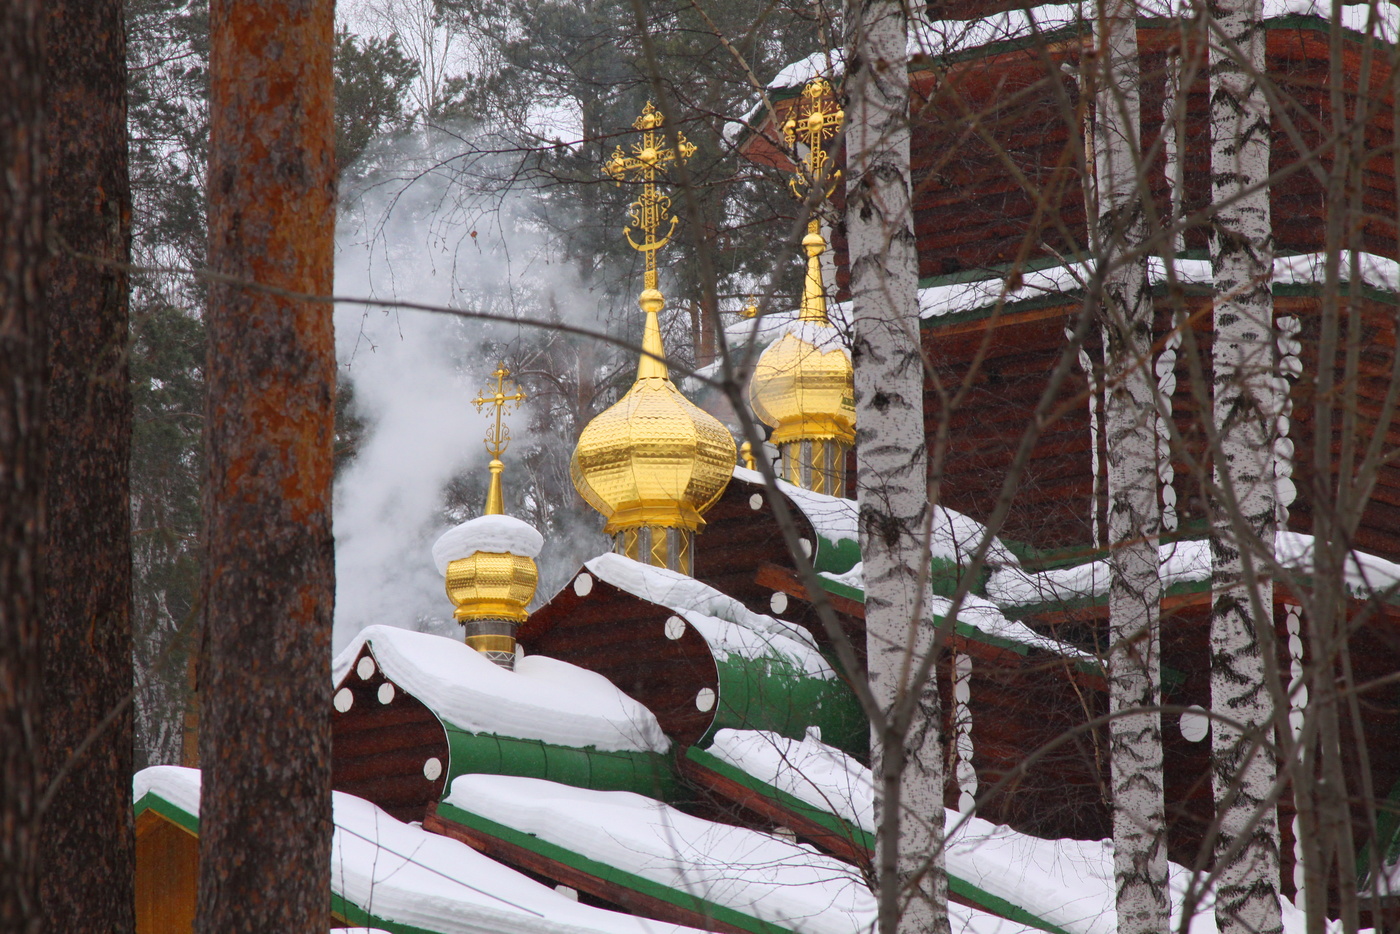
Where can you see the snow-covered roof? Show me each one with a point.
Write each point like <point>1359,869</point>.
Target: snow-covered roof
<point>542,699</point>
<point>941,38</point>
<point>1067,883</point>
<point>496,534</point>
<point>1180,562</point>
<point>980,615</point>
<point>396,873</point>
<point>954,536</point>
<point>787,884</point>
<point>725,623</point>
<point>1304,269</point>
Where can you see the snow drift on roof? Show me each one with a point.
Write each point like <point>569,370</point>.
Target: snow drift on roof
<point>725,623</point>
<point>1068,883</point>
<point>497,534</point>
<point>1305,269</point>
<point>543,698</point>
<point>402,874</point>
<point>938,38</point>
<point>954,536</point>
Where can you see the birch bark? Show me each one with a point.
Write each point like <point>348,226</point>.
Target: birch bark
<point>893,480</point>
<point>1134,517</point>
<point>1246,405</point>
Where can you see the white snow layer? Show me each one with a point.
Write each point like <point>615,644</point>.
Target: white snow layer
<point>404,874</point>
<point>496,534</point>
<point>725,623</point>
<point>979,613</point>
<point>948,37</point>
<point>954,536</point>
<point>1068,883</point>
<point>1304,269</point>
<point>788,884</point>
<point>542,699</point>
<point>1180,561</point>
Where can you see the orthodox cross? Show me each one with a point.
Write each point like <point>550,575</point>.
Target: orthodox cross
<point>498,438</point>
<point>814,120</point>
<point>650,158</point>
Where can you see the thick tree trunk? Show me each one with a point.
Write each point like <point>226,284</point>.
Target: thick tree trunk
<point>22,376</point>
<point>1130,420</point>
<point>893,479</point>
<point>88,847</point>
<point>269,573</point>
<point>1247,404</point>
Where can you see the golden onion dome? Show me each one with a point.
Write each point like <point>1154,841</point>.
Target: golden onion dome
<point>803,384</point>
<point>654,458</point>
<point>489,562</point>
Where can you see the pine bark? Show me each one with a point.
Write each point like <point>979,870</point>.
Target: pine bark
<point>23,373</point>
<point>893,480</point>
<point>269,573</point>
<point>1247,403</point>
<point>1134,517</point>
<point>88,847</point>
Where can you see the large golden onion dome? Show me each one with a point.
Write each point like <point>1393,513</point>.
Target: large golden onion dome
<point>654,458</point>
<point>803,384</point>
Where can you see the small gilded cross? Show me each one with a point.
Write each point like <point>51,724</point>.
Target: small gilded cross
<point>498,437</point>
<point>815,120</point>
<point>650,158</point>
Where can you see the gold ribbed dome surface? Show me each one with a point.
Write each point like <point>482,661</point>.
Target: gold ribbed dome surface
<point>803,391</point>
<point>655,458</point>
<point>487,585</point>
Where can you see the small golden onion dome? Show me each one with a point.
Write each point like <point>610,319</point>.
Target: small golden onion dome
<point>489,566</point>
<point>654,458</point>
<point>803,384</point>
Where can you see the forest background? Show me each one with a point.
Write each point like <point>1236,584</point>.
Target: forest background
<point>469,142</point>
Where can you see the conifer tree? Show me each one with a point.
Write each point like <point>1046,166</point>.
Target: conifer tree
<point>265,806</point>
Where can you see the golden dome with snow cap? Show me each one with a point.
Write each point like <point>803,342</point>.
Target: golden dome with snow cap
<point>654,462</point>
<point>488,563</point>
<point>803,385</point>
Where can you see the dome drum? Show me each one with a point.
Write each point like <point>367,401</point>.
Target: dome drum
<point>663,547</point>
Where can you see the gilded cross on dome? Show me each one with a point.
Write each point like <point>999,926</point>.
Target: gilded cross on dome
<point>498,436</point>
<point>651,157</point>
<point>814,121</point>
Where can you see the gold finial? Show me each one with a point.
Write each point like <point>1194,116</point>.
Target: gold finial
<point>497,436</point>
<point>746,452</point>
<point>750,310</point>
<point>815,120</point>
<point>651,156</point>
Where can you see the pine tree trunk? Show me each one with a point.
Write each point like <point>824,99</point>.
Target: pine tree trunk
<point>22,377</point>
<point>893,479</point>
<point>1130,421</point>
<point>1246,405</point>
<point>269,574</point>
<point>89,843</point>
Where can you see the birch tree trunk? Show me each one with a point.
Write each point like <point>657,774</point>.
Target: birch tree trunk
<point>269,574</point>
<point>893,478</point>
<point>1246,406</point>
<point>1134,518</point>
<point>22,377</point>
<point>89,843</point>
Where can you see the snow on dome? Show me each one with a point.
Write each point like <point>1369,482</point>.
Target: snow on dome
<point>497,534</point>
<point>542,699</point>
